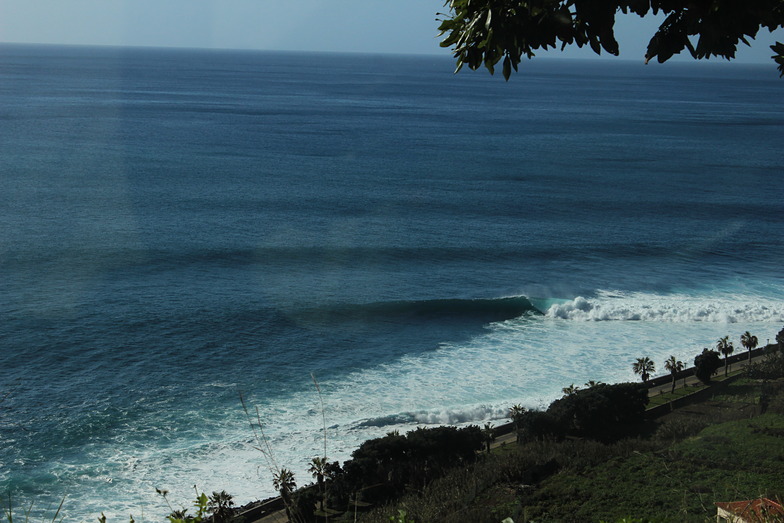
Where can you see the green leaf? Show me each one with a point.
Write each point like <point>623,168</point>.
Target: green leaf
<point>507,67</point>
<point>778,48</point>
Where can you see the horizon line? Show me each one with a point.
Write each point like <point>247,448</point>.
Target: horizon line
<point>547,55</point>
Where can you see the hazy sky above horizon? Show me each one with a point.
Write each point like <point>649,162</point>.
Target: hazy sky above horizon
<point>373,26</point>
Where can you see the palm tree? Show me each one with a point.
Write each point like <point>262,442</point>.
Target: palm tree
<point>220,506</point>
<point>516,412</point>
<point>489,435</point>
<point>674,366</point>
<point>571,389</point>
<point>644,367</point>
<point>592,383</point>
<point>283,482</point>
<point>318,468</point>
<point>724,346</point>
<point>748,341</point>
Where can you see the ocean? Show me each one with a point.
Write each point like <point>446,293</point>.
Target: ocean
<point>180,229</point>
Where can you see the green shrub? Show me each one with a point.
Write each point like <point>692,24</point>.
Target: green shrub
<point>770,368</point>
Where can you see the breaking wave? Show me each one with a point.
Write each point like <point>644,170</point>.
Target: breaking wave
<point>475,414</point>
<point>619,306</point>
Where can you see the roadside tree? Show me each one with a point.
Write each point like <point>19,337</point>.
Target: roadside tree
<point>516,413</point>
<point>674,367</point>
<point>317,469</point>
<point>706,364</point>
<point>283,481</point>
<point>644,367</point>
<point>488,433</point>
<point>220,505</point>
<point>748,341</point>
<point>724,345</point>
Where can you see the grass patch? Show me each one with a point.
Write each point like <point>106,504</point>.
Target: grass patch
<point>740,391</point>
<point>757,443</point>
<point>680,483</point>
<point>725,462</point>
<point>661,399</point>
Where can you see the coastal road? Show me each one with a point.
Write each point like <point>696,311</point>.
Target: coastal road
<point>692,380</point>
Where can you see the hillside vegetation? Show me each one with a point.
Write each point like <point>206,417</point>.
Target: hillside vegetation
<point>721,449</point>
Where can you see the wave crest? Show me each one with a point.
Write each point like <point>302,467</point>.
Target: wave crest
<point>648,307</point>
<point>474,414</point>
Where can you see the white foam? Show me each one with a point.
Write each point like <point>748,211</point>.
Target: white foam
<point>468,415</point>
<point>619,306</point>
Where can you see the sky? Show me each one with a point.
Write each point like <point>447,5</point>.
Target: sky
<point>372,26</point>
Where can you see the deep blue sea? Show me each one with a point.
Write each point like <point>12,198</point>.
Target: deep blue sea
<point>179,228</point>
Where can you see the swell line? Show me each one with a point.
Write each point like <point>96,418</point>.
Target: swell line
<point>485,309</point>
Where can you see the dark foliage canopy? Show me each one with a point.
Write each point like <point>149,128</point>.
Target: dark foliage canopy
<point>397,462</point>
<point>489,31</point>
<point>600,411</point>
<point>706,364</point>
